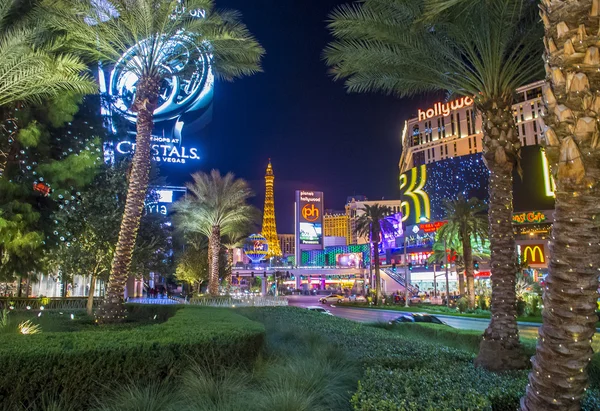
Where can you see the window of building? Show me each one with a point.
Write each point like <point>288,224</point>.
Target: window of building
<point>452,123</point>
<point>469,132</point>
<point>523,128</point>
<point>455,153</point>
<point>521,111</point>
<point>533,109</point>
<point>535,137</point>
<point>524,141</point>
<point>459,133</point>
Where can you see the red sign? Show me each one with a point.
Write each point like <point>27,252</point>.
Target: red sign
<point>431,227</point>
<point>42,188</point>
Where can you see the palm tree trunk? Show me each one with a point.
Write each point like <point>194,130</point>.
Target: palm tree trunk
<point>90,299</point>
<point>214,249</point>
<point>564,344</point>
<point>377,273</point>
<point>112,309</point>
<point>469,269</point>
<point>500,348</point>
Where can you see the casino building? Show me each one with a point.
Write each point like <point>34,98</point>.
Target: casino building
<point>441,158</point>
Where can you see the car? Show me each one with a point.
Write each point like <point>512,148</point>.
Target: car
<point>417,318</point>
<point>332,298</point>
<point>318,309</point>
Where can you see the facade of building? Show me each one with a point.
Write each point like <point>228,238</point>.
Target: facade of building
<point>287,244</point>
<point>355,209</point>
<point>441,159</point>
<point>336,225</point>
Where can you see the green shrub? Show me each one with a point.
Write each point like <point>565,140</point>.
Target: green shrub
<point>462,304</point>
<point>79,363</point>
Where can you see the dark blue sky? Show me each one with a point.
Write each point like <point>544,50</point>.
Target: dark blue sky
<point>318,136</point>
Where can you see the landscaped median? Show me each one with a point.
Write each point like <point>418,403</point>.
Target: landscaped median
<point>405,370</point>
<point>77,365</point>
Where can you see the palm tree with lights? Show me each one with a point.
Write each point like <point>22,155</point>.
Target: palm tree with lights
<point>466,220</point>
<point>369,224</point>
<point>216,206</point>
<point>558,379</point>
<point>475,48</point>
<point>152,31</point>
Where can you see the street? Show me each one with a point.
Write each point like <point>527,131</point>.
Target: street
<point>527,330</point>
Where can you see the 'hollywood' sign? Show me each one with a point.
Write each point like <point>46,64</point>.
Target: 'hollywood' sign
<point>445,108</point>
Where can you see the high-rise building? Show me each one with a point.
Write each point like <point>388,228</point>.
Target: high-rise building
<point>441,159</point>
<point>287,244</point>
<point>269,229</point>
<point>335,224</point>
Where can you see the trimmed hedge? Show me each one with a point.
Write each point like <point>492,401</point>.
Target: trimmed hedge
<point>459,387</point>
<point>77,365</point>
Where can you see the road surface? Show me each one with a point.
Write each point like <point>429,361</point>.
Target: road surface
<point>527,330</point>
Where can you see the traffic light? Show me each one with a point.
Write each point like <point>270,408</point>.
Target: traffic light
<point>443,266</point>
<point>394,267</point>
<point>426,265</point>
<point>476,265</point>
<point>410,266</point>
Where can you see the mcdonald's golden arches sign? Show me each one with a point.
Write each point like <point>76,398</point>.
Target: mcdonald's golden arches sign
<point>533,253</point>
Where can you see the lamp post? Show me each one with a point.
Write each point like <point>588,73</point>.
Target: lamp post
<point>447,282</point>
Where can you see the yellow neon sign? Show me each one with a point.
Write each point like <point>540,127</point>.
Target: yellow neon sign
<point>530,252</point>
<point>548,180</point>
<point>412,187</point>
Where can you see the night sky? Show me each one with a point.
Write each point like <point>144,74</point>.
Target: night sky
<point>318,136</point>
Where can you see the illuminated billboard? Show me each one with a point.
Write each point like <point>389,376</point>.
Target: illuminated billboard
<point>309,221</point>
<point>425,188</point>
<point>349,260</point>
<point>161,199</point>
<point>179,137</point>
<point>311,233</point>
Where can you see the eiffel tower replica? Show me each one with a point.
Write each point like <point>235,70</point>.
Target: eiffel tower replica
<point>269,229</point>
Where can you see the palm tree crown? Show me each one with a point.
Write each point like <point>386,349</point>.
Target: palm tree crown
<point>34,68</point>
<point>370,224</point>
<point>475,48</point>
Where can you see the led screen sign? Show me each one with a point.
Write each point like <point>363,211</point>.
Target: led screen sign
<point>349,260</point>
<point>444,109</point>
<point>309,219</point>
<point>161,199</point>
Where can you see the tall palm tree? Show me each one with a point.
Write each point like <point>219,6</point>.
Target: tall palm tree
<point>467,221</point>
<point>476,48</point>
<point>453,246</point>
<point>558,378</point>
<point>33,67</point>
<point>153,30</point>
<point>369,224</point>
<point>215,207</point>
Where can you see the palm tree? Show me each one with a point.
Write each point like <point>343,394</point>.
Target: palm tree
<point>153,30</point>
<point>215,207</point>
<point>476,48</point>
<point>33,68</point>
<point>558,378</point>
<point>454,247</point>
<point>466,221</point>
<point>369,224</point>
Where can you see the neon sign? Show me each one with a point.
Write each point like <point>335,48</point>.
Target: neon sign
<point>412,187</point>
<point>445,108</point>
<point>431,227</point>
<point>529,217</point>
<point>534,254</point>
<point>163,152</point>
